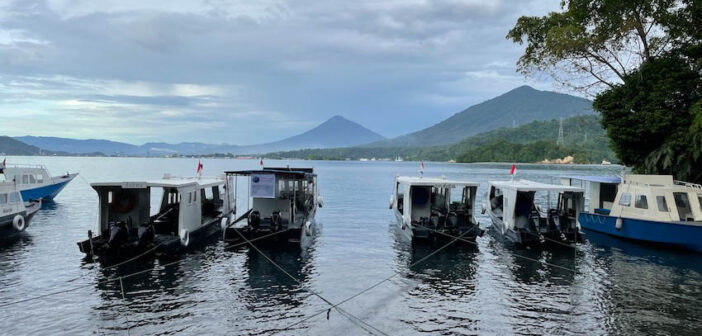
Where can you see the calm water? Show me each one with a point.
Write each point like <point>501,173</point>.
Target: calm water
<point>618,287</point>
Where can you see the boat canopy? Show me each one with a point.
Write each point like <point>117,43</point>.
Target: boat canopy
<point>435,181</point>
<point>165,182</point>
<point>598,179</point>
<point>525,185</point>
<point>286,172</point>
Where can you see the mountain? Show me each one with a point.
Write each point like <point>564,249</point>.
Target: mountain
<point>583,137</point>
<point>518,106</point>
<point>11,146</point>
<point>335,132</point>
<point>77,146</point>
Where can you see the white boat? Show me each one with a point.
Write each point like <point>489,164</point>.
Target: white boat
<point>435,209</point>
<point>530,213</point>
<point>281,204</point>
<point>645,208</point>
<point>35,182</point>
<point>15,214</point>
<point>190,210</point>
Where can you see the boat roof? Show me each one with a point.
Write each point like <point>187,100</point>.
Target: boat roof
<point>526,185</point>
<point>287,171</point>
<point>165,182</point>
<point>433,181</point>
<point>598,179</point>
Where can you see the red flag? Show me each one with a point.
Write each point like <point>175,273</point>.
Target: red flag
<point>261,162</point>
<point>514,169</point>
<point>421,165</point>
<point>199,167</point>
<point>3,162</point>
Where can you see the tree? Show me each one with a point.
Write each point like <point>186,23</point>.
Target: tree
<point>594,44</point>
<point>643,61</point>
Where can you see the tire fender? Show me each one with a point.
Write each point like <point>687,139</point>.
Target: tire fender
<point>19,223</point>
<point>185,238</point>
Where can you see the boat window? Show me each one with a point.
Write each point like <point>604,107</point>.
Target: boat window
<point>625,200</point>
<point>25,179</point>
<point>699,200</point>
<point>194,196</point>
<point>3,198</point>
<point>641,202</point>
<point>40,178</point>
<point>190,197</point>
<point>32,180</point>
<point>14,197</point>
<point>662,204</point>
<point>682,202</point>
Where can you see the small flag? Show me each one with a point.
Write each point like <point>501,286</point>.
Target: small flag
<point>199,167</point>
<point>421,165</point>
<point>261,163</point>
<point>3,162</point>
<point>514,169</point>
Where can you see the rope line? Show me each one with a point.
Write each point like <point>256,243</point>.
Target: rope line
<point>348,315</point>
<point>2,305</point>
<point>516,255</point>
<point>384,280</point>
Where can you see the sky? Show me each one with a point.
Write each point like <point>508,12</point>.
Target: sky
<point>247,72</point>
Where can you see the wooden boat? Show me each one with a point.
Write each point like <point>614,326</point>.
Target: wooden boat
<point>431,209</point>
<point>281,205</point>
<point>190,210</point>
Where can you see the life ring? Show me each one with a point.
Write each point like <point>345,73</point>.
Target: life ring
<point>185,238</point>
<point>19,223</point>
<point>123,202</point>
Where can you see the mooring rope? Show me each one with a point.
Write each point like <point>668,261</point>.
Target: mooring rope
<point>380,282</point>
<point>115,278</point>
<point>346,314</point>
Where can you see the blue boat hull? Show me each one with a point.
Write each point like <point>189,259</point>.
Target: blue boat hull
<point>676,235</point>
<point>47,192</point>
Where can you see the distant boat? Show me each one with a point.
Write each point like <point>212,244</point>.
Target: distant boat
<point>190,210</point>
<point>423,207</point>
<point>15,213</point>
<point>646,208</point>
<point>519,213</point>
<point>34,181</point>
<point>605,162</point>
<point>283,206</point>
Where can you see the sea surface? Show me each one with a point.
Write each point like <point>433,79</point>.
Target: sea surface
<point>605,286</point>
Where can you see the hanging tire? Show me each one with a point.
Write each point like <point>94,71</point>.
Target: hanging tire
<point>19,223</point>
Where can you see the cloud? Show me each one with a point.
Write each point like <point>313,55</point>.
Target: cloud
<point>250,71</point>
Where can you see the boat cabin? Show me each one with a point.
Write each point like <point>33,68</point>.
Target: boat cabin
<point>129,215</point>
<point>527,210</point>
<point>278,199</point>
<point>435,203</point>
<point>650,197</point>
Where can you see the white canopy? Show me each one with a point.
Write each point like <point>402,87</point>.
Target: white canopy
<point>526,185</point>
<point>165,182</point>
<point>435,181</point>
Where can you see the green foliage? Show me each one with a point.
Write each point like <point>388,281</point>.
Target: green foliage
<point>654,118</point>
<point>505,151</point>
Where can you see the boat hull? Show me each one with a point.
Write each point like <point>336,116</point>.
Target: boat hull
<point>677,235</point>
<point>49,191</point>
<point>525,238</point>
<point>416,234</point>
<point>297,236</point>
<point>163,245</point>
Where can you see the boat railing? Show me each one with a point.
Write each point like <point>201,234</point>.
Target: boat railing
<point>19,165</point>
<point>689,185</point>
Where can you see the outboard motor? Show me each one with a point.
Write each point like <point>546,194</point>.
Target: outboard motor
<point>276,220</point>
<point>146,234</point>
<point>554,220</point>
<point>434,220</point>
<point>255,219</point>
<point>119,234</point>
<point>452,220</point>
<point>534,221</point>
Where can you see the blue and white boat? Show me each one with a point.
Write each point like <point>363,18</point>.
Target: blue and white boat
<point>34,181</point>
<point>646,208</point>
<point>15,214</point>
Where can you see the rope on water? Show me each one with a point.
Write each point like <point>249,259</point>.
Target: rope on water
<point>7,304</point>
<point>346,314</point>
<point>336,306</point>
